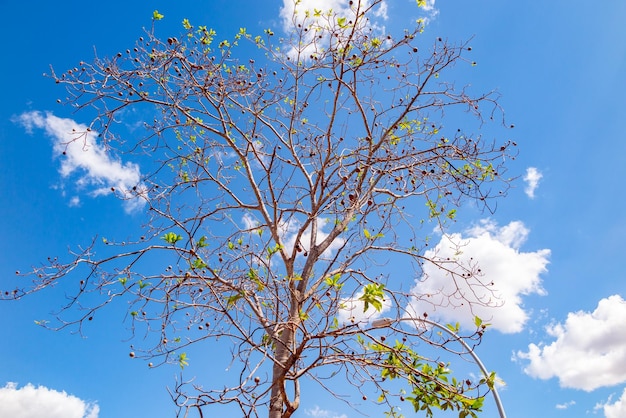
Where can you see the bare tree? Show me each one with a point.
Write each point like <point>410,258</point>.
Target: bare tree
<point>285,177</point>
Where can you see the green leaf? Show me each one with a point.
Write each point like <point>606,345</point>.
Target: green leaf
<point>186,24</point>
<point>273,250</point>
<point>254,276</point>
<point>183,360</point>
<point>477,404</point>
<point>477,321</point>
<point>334,324</point>
<point>202,242</point>
<point>156,15</point>
<point>373,294</point>
<point>171,238</point>
<point>367,234</point>
<point>334,281</point>
<point>453,328</point>
<point>233,299</point>
<point>199,264</point>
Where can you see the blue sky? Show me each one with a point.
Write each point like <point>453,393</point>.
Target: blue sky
<point>555,242</point>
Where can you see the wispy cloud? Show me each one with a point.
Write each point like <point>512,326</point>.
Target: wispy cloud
<point>38,402</point>
<point>86,160</point>
<point>506,274</point>
<point>532,178</point>
<point>317,412</point>
<point>589,350</point>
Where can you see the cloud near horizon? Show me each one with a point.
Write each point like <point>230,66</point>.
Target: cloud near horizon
<point>41,402</point>
<point>589,350</point>
<point>87,160</point>
<point>495,296</point>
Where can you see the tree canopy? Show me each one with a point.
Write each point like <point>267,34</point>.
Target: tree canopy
<point>285,175</point>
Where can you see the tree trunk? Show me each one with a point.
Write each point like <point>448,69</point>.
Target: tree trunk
<point>280,406</point>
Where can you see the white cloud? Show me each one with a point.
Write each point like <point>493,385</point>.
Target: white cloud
<point>74,201</point>
<point>565,405</point>
<point>431,11</point>
<point>616,409</point>
<point>249,222</point>
<point>41,402</point>
<point>318,24</point>
<point>338,8</point>
<point>506,274</point>
<point>532,178</point>
<point>317,412</point>
<point>292,16</point>
<point>589,351</point>
<point>382,10</point>
<point>351,310</point>
<point>429,6</point>
<point>289,230</point>
<point>81,155</point>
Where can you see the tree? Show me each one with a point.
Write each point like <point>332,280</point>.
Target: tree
<point>284,176</point>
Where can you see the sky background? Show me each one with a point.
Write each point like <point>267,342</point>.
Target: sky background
<point>555,244</point>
